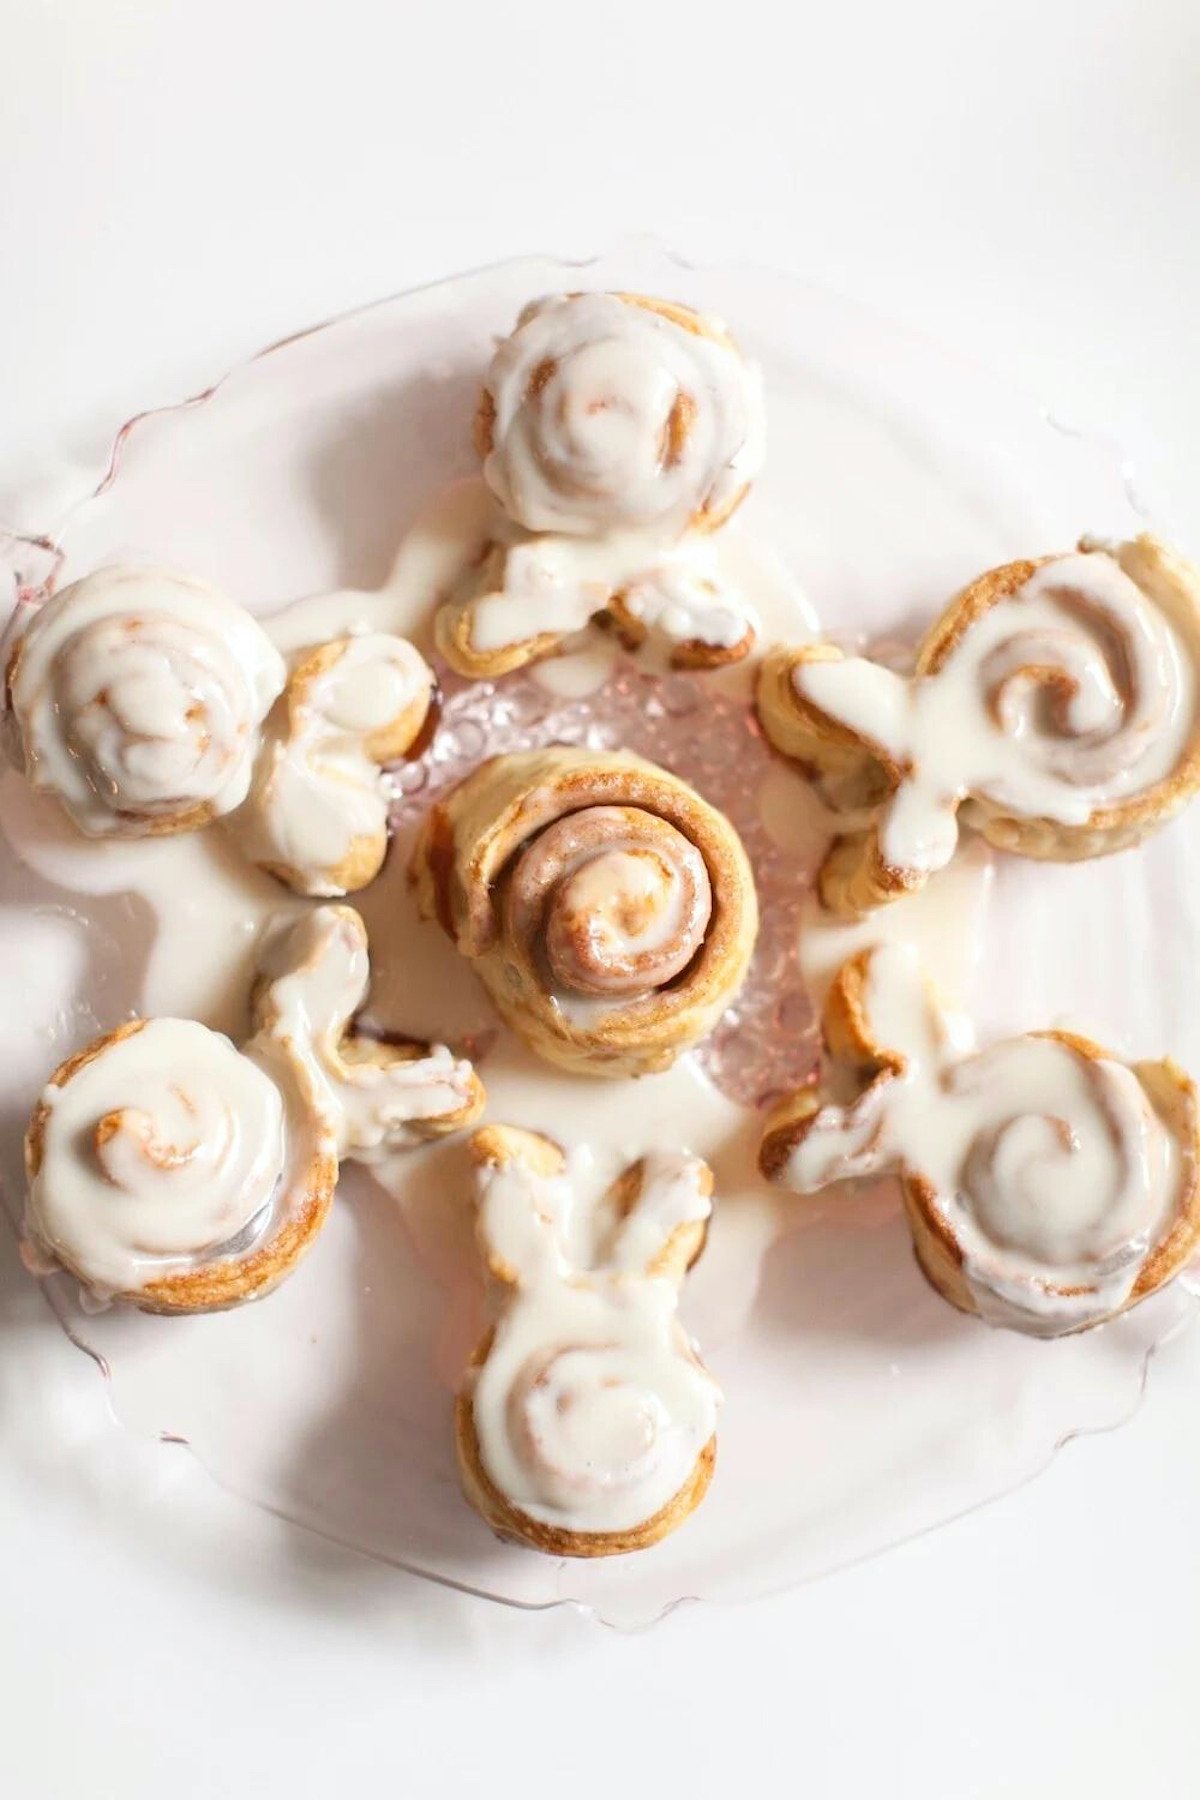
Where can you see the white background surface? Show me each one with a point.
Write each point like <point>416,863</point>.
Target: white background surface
<point>180,183</point>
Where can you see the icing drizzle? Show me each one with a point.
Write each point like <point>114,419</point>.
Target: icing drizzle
<point>1045,1159</point>
<point>1071,694</point>
<point>590,1408</point>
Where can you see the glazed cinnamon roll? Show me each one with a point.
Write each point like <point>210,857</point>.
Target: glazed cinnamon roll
<point>606,412</point>
<point>138,697</point>
<point>316,815</point>
<point>168,1169</point>
<point>586,1424</point>
<point>609,910</point>
<point>1053,708</point>
<point>1048,1185</point>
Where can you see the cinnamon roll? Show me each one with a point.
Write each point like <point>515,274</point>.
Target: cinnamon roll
<point>317,812</point>
<point>168,1169</point>
<point>606,412</point>
<point>609,911</point>
<point>586,1423</point>
<point>137,697</point>
<point>1048,1185</point>
<point>617,433</point>
<point>1053,708</point>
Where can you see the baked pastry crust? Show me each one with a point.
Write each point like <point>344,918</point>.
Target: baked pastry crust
<point>580,529</point>
<point>160,1145</point>
<point>859,1063</point>
<point>858,873</point>
<point>473,853</point>
<point>500,1147</point>
<point>225,1280</point>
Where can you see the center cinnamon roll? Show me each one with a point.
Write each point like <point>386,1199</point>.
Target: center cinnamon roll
<point>608,909</point>
<point>620,899</point>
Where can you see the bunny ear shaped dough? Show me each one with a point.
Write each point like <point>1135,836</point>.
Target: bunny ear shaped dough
<point>585,1425</point>
<point>617,432</point>
<point>169,1169</point>
<point>381,1097</point>
<point>317,813</point>
<point>1048,1185</point>
<point>1055,706</point>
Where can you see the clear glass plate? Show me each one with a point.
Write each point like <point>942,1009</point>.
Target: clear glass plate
<point>860,1409</point>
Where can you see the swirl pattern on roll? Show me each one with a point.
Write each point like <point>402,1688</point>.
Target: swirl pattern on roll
<point>1048,1184</point>
<point>171,1170</point>
<point>608,909</point>
<point>1055,701</point>
<point>586,1424</point>
<point>604,412</point>
<point>138,697</point>
<point>161,1148</point>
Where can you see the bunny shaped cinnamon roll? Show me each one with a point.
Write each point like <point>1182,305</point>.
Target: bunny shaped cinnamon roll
<point>171,1170</point>
<point>1055,707</point>
<point>586,1423</point>
<point>618,433</point>
<point>1048,1185</point>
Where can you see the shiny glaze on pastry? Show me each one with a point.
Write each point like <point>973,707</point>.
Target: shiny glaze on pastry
<point>167,1168</point>
<point>617,432</point>
<point>381,1097</point>
<point>138,696</point>
<point>603,412</point>
<point>1055,703</point>
<point>1048,1184</point>
<point>586,1423</point>
<point>316,815</point>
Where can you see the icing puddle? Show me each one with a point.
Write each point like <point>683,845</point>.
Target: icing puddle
<point>859,1407</point>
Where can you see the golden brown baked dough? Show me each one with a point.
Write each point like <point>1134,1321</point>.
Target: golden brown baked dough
<point>1064,693</point>
<point>168,1169</point>
<point>601,482</point>
<point>978,1188</point>
<point>609,910</point>
<point>557,1348</point>
<point>306,1173</point>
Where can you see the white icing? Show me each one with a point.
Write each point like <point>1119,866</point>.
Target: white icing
<point>1052,1169</point>
<point>159,1151</point>
<point>138,695</point>
<point>684,600</point>
<point>318,791</point>
<point>317,975</point>
<point>541,587</point>
<point>983,725</point>
<point>587,390</point>
<point>590,1409</point>
<point>444,559</point>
